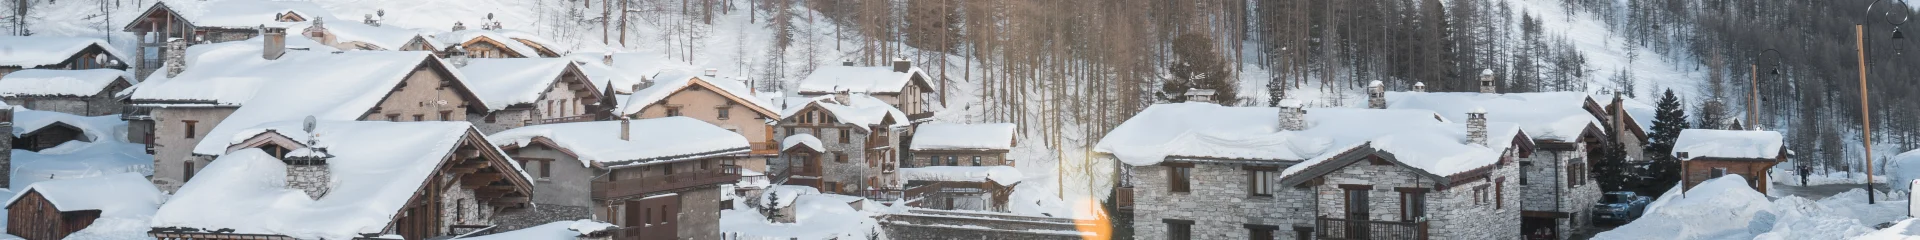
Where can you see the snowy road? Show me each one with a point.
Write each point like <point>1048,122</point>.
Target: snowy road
<point>1817,192</point>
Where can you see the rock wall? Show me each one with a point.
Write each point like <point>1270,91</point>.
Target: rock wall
<point>1217,202</point>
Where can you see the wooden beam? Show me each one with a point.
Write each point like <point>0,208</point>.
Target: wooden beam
<point>475,165</point>
<point>479,179</point>
<point>513,200</point>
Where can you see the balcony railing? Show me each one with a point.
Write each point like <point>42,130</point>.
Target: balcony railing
<point>579,118</point>
<point>765,148</point>
<point>1345,229</point>
<point>650,184</point>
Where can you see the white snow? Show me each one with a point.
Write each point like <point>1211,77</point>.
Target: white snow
<point>873,79</point>
<point>474,33</point>
<point>507,81</point>
<point>107,153</point>
<point>1418,138</point>
<point>956,136</point>
<point>122,195</point>
<point>816,216</point>
<point>1733,144</point>
<point>1726,208</point>
<point>604,76</point>
<point>1004,175</point>
<point>303,84</point>
<point>669,83</point>
<point>243,13</point>
<point>861,110</point>
<point>43,82</point>
<point>1904,168</point>
<point>560,230</point>
<point>376,167</point>
<point>36,51</point>
<point>386,37</point>
<point>230,73</point>
<point>804,140</point>
<point>650,140</point>
<point>1560,116</point>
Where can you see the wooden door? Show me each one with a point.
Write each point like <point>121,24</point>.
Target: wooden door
<point>1357,213</point>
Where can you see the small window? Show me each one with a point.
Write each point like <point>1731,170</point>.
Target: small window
<point>844,138</point>
<point>1260,183</point>
<point>953,160</point>
<point>723,112</point>
<point>1261,232</point>
<point>1178,178</point>
<point>1524,167</point>
<point>190,131</point>
<point>492,117</point>
<point>186,173</point>
<point>666,169</point>
<point>1179,229</point>
<point>419,117</point>
<point>549,109</point>
<point>1499,192</point>
<point>546,168</point>
<point>1413,205</point>
<point>840,157</point>
<point>976,160</point>
<point>1716,173</point>
<point>446,115</point>
<point>673,111</point>
<point>393,117</point>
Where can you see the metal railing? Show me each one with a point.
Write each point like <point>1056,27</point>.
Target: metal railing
<point>1343,229</point>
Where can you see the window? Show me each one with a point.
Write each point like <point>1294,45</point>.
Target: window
<point>546,168</point>
<point>1261,232</point>
<point>1357,205</point>
<point>563,108</point>
<point>549,108</point>
<point>976,160</point>
<point>393,117</point>
<point>491,118</point>
<point>1499,192</point>
<point>1177,176</point>
<point>446,115</point>
<point>1524,167</point>
<point>459,210</point>
<point>844,138</point>
<point>648,218</point>
<point>1716,173</point>
<point>666,169</point>
<point>1259,183</point>
<point>723,112</point>
<point>953,160</point>
<point>419,117</point>
<point>1413,204</point>
<point>1303,233</point>
<point>186,173</point>
<point>673,111</point>
<point>190,128</point>
<point>1178,229</point>
<point>840,157</point>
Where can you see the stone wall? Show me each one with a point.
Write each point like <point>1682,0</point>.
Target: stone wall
<point>699,216</point>
<point>1218,203</point>
<point>458,206</point>
<point>965,158</point>
<point>422,98</point>
<point>539,214</point>
<point>855,170</point>
<point>569,182</point>
<point>1548,190</point>
<point>1452,213</point>
<point>313,179</point>
<point>173,150</point>
<point>502,120</point>
<point>934,224</point>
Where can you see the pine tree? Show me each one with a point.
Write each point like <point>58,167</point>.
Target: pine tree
<point>1610,167</point>
<point>1197,64</point>
<point>1664,170</point>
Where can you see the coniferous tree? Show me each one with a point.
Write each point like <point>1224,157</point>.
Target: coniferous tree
<point>1664,171</point>
<point>1610,166</point>
<point>1197,65</point>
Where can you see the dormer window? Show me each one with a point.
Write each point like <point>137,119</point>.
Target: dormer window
<point>275,150</point>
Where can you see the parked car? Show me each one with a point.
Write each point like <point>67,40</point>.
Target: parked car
<point>1620,207</point>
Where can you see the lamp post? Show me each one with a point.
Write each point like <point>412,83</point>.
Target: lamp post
<point>1866,121</point>
<point>1753,97</point>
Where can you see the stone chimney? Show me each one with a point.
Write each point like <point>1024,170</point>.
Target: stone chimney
<point>1377,95</point>
<point>1420,87</point>
<point>176,55</point>
<point>1477,126</point>
<point>842,97</point>
<point>274,42</point>
<point>1200,95</point>
<point>607,58</point>
<point>625,128</point>
<point>846,63</point>
<point>1292,116</point>
<point>1486,81</point>
<point>902,65</point>
<point>458,26</point>
<point>457,56</point>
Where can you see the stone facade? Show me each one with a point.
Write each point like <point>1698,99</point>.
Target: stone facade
<point>856,171</point>
<point>501,120</point>
<point>1547,189</point>
<point>935,224</point>
<point>99,104</point>
<point>539,214</point>
<point>176,131</point>
<point>926,158</point>
<point>422,97</point>
<point>1465,211</point>
<point>175,57</point>
<point>699,216</point>
<point>313,179</point>
<point>458,206</point>
<point>1218,202</point>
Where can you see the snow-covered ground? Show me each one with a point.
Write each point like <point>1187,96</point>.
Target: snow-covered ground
<point>1725,208</point>
<point>1788,177</point>
<point>816,216</point>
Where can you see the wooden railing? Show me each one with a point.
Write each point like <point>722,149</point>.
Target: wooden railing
<point>812,170</point>
<point>763,148</point>
<point>649,184</point>
<point>1345,229</point>
<point>577,118</point>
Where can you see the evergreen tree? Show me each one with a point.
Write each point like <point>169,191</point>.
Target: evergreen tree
<point>1610,167</point>
<point>1663,170</point>
<point>1198,65</point>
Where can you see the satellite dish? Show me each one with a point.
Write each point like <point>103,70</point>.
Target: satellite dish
<point>489,16</point>
<point>309,124</point>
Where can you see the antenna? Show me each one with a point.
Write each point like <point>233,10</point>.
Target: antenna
<point>308,126</point>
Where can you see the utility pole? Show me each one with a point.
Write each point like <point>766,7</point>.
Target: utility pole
<point>1753,98</point>
<point>1866,122</point>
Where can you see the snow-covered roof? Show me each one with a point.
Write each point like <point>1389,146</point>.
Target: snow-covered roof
<point>874,79</point>
<point>650,141</point>
<point>594,66</point>
<point>1728,144</point>
<point>955,136</point>
<point>387,37</point>
<point>671,82</point>
<point>377,166</point>
<point>243,13</point>
<point>327,86</point>
<point>803,140</point>
<point>95,128</point>
<point>558,230</point>
<point>1004,175</point>
<point>230,73</point>
<point>36,51</point>
<point>1641,112</point>
<point>1557,116</point>
<point>45,82</point>
<point>115,195</point>
<point>507,81</point>
<point>1418,138</point>
<point>464,36</point>
<point>859,110</point>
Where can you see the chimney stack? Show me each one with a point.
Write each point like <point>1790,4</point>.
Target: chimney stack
<point>1420,87</point>
<point>901,65</point>
<point>1486,81</point>
<point>625,128</point>
<point>841,97</point>
<point>457,56</point>
<point>307,167</point>
<point>1292,116</point>
<point>1200,95</point>
<point>274,43</point>
<point>1477,126</point>
<point>176,55</point>
<point>1377,95</point>
<point>458,26</point>
<point>607,59</point>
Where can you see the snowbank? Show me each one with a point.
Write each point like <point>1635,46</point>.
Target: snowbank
<point>1725,208</point>
<point>1003,175</point>
<point>244,14</point>
<point>43,82</point>
<point>507,81</point>
<point>123,195</point>
<point>648,141</point>
<point>106,153</point>
<point>955,136</point>
<point>36,51</point>
<point>1903,170</point>
<point>1734,144</point>
<point>1417,138</point>
<point>816,216</point>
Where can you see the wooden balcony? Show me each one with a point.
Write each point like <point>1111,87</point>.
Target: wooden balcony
<point>651,184</point>
<point>765,148</point>
<point>579,118</point>
<point>1345,229</point>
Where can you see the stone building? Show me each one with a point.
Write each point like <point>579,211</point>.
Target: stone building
<point>54,209</point>
<point>716,100</point>
<point>952,144</point>
<point>58,53</point>
<point>656,178</point>
<point>530,91</point>
<point>347,179</point>
<point>1568,129</point>
<point>856,137</point>
<point>182,107</point>
<point>900,84</point>
<point>93,92</point>
<point>197,22</point>
<point>1202,171</point>
<point>1707,154</point>
<point>490,41</point>
<point>368,35</point>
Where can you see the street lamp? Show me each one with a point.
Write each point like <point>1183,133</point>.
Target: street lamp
<point>1866,122</point>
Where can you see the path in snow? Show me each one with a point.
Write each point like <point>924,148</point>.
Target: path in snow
<point>1817,192</point>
